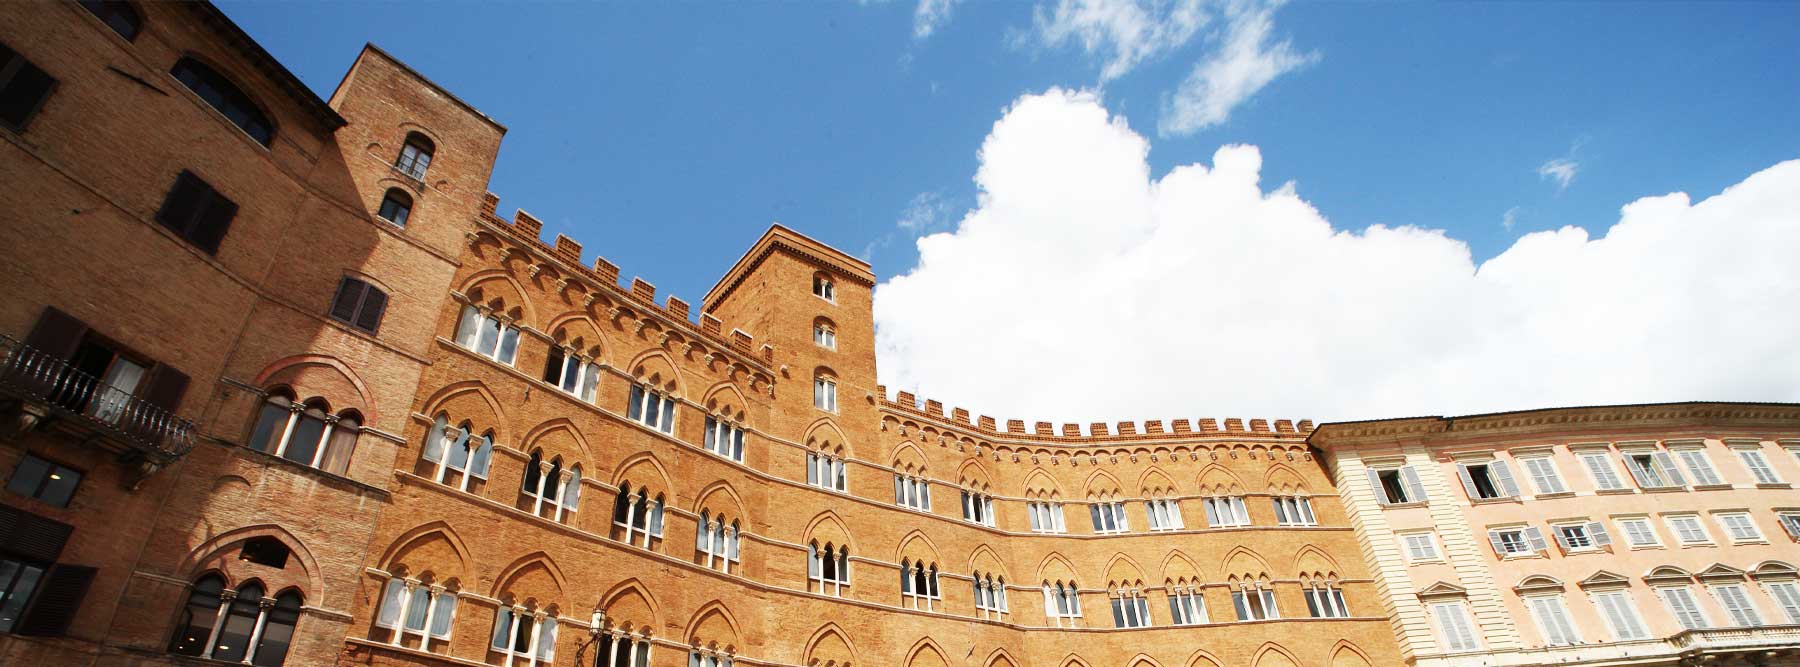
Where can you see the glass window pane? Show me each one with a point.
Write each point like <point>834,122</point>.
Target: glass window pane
<point>305,440</point>
<point>270,422</point>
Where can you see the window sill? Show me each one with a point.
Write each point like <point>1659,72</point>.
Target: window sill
<point>1711,487</point>
<point>1558,494</point>
<point>1524,556</point>
<point>1738,543</point>
<point>1695,545</point>
<point>1665,489</point>
<point>1643,547</point>
<point>1494,501</point>
<point>1614,492</point>
<point>1775,485</point>
<point>1415,503</point>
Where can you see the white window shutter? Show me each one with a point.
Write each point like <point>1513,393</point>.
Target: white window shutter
<point>1468,482</point>
<point>1503,478</point>
<point>1561,541</point>
<point>1637,471</point>
<point>1597,532</point>
<point>1414,488</point>
<point>1535,538</point>
<point>1669,471</point>
<point>1494,539</point>
<point>1374,486</point>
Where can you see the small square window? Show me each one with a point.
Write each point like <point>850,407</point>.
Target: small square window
<point>23,88</point>
<point>46,481</point>
<point>1420,547</point>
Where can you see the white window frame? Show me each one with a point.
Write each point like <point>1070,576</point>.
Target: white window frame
<point>1649,528</point>
<point>469,462</point>
<point>1725,520</point>
<point>1225,511</point>
<point>1581,536</point>
<point>1062,604</point>
<point>1406,480</point>
<point>1326,600</point>
<point>708,658</point>
<point>1294,511</point>
<point>1255,602</point>
<point>1699,466</point>
<point>1046,517</point>
<point>717,543</point>
<point>1790,523</point>
<point>1529,540</point>
<point>978,508</point>
<point>911,492</point>
<point>1427,538</point>
<point>725,438</point>
<point>400,601</point>
<point>1554,622</point>
<point>1187,606</point>
<point>1130,609</point>
<point>643,522</point>
<point>1757,465</point>
<point>651,407</point>
<point>1735,599</point>
<point>1601,471</point>
<point>1786,595</point>
<point>826,471</point>
<point>578,376</point>
<point>471,330</point>
<point>560,501</point>
<point>1655,472</point>
<point>1164,513</point>
<point>824,288</point>
<point>637,648</point>
<point>1673,521</point>
<point>990,596</point>
<point>825,393</point>
<point>539,637</point>
<point>1456,628</point>
<point>1494,472</point>
<point>834,583</point>
<point>1108,517</point>
<point>825,335</point>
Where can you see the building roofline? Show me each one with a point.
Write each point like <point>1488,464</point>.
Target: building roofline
<point>269,65</point>
<point>370,47</point>
<point>1450,423</point>
<point>780,236</point>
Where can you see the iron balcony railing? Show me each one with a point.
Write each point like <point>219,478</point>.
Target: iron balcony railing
<point>67,392</point>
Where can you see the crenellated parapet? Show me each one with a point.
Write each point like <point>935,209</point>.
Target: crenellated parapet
<point>633,305</point>
<point>1048,443</point>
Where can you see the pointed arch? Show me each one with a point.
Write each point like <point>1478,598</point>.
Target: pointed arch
<point>1178,565</point>
<point>1101,484</point>
<point>983,559</point>
<point>339,379</point>
<point>829,646</point>
<point>725,398</point>
<point>533,576</point>
<point>721,497</point>
<point>1204,658</point>
<point>1272,654</point>
<point>713,626</point>
<point>1313,560</point>
<point>1283,479</point>
<point>824,434</point>
<point>431,544</point>
<point>917,547</point>
<point>1216,479</point>
<point>1142,660</point>
<point>1073,660</point>
<point>205,555</point>
<point>999,658</point>
<point>498,289</point>
<point>549,435</point>
<point>907,457</point>
<point>1242,561</point>
<point>1154,481</point>
<point>656,368</point>
<point>926,653</point>
<point>643,469</point>
<point>1346,654</point>
<point>971,474</point>
<point>1122,570</point>
<point>1055,567</point>
<point>471,400</point>
<point>630,606</point>
<point>1039,481</point>
<point>828,527</point>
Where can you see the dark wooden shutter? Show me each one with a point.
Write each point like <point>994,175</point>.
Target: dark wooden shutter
<point>165,387</point>
<point>349,293</point>
<point>31,537</point>
<point>23,88</point>
<point>57,333</point>
<point>214,221</point>
<point>183,203</point>
<point>57,600</point>
<point>373,303</point>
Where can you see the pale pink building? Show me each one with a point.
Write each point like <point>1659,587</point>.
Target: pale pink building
<point>1624,535</point>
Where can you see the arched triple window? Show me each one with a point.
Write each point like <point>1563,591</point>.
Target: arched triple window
<point>552,490</point>
<point>524,637</point>
<point>118,15</point>
<point>638,518</point>
<point>716,542</point>
<point>306,432</point>
<point>396,206</point>
<point>1046,516</point>
<point>576,375</point>
<point>828,568</point>
<point>1325,599</point>
<point>1164,513</point>
<point>1254,601</point>
<point>415,156</point>
<point>1130,609</point>
<point>236,625</point>
<point>827,471</point>
<point>1062,603</point>
<point>978,507</point>
<point>458,453</point>
<point>225,97</point>
<point>1294,511</point>
<point>410,607</point>
<point>486,334</point>
<point>703,658</point>
<point>651,408</point>
<point>919,585</point>
<point>911,490</point>
<point>725,438</point>
<point>990,596</point>
<point>619,648</point>
<point>1225,511</point>
<point>1187,606</point>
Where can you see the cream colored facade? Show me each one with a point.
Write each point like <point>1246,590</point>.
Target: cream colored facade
<point>1581,535</point>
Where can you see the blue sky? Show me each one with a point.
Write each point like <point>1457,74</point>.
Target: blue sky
<point>667,136</point>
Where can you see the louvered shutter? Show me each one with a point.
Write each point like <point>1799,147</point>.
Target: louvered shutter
<point>374,303</point>
<point>57,334</point>
<point>30,536</point>
<point>165,387</point>
<point>1666,464</point>
<point>1562,541</point>
<point>1597,532</point>
<point>1503,479</point>
<point>214,221</point>
<point>349,294</point>
<point>57,600</point>
<point>1637,471</point>
<point>1535,538</point>
<point>1415,490</point>
<point>1499,546</point>
<point>1468,481</point>
<point>1374,485</point>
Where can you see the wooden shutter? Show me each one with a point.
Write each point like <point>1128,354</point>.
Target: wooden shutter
<point>1499,546</point>
<point>32,537</point>
<point>349,293</point>
<point>1374,485</point>
<point>374,302</point>
<point>24,91</point>
<point>1468,481</point>
<point>165,387</point>
<point>1637,471</point>
<point>183,203</point>
<point>1415,490</point>
<point>57,600</point>
<point>1503,479</point>
<point>214,220</point>
<point>57,333</point>
<point>1667,465</point>
<point>1535,538</point>
<point>1597,532</point>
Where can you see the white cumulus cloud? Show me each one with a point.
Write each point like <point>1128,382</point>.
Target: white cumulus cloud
<point>1083,288</point>
<point>1245,61</point>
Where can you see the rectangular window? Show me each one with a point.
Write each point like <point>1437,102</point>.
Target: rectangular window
<point>1046,517</point>
<point>1294,511</point>
<point>23,89</point>
<point>1737,604</point>
<point>1454,628</point>
<point>1420,547</point>
<point>1683,606</point>
<point>1699,467</point>
<point>650,408</point>
<point>1600,468</point>
<point>825,472</point>
<point>1621,615</point>
<point>1787,596</point>
<point>1482,481</point>
<point>1225,512</point>
<point>197,212</point>
<point>1396,485</point>
<point>977,508</point>
<point>1553,619</point>
<point>1517,541</point>
<point>1186,606</point>
<point>1108,517</point>
<point>49,482</point>
<point>1758,466</point>
<point>1638,532</point>
<point>1131,611</point>
<point>1739,527</point>
<point>1579,537</point>
<point>1544,475</point>
<point>1790,522</point>
<point>484,334</point>
<point>1653,470</point>
<point>1325,601</point>
<point>825,394</point>
<point>725,438</point>
<point>358,304</point>
<point>1688,530</point>
<point>17,582</point>
<point>1254,604</point>
<point>1164,513</point>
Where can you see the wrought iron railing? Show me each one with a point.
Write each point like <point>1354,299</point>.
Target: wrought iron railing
<point>67,391</point>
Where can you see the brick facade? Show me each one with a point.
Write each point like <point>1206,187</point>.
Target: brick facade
<point>252,322</point>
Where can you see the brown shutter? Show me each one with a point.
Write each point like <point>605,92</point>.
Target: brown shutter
<point>349,293</point>
<point>214,220</point>
<point>373,303</point>
<point>165,387</point>
<point>31,537</point>
<point>57,600</point>
<point>57,333</point>
<point>183,203</point>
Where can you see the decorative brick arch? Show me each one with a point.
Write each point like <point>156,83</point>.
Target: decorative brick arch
<point>1000,658</point>
<point>586,335</point>
<point>983,559</point>
<point>524,568</point>
<point>828,527</point>
<point>1154,479</point>
<point>719,497</point>
<point>559,425</point>
<point>1178,565</point>
<point>496,419</point>
<point>198,560</point>
<point>912,543</point>
<point>656,368</point>
<point>725,398</point>
<point>424,534</point>
<point>476,287</point>
<point>1122,570</point>
<point>365,402</point>
<point>829,646</point>
<point>1102,484</point>
<point>824,434</point>
<point>1272,654</point>
<point>1346,654</point>
<point>625,595</point>
<point>644,466</point>
<point>1203,658</point>
<point>926,653</point>
<point>710,621</point>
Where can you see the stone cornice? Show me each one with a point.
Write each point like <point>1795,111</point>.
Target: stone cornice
<point>794,243</point>
<point>1590,419</point>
